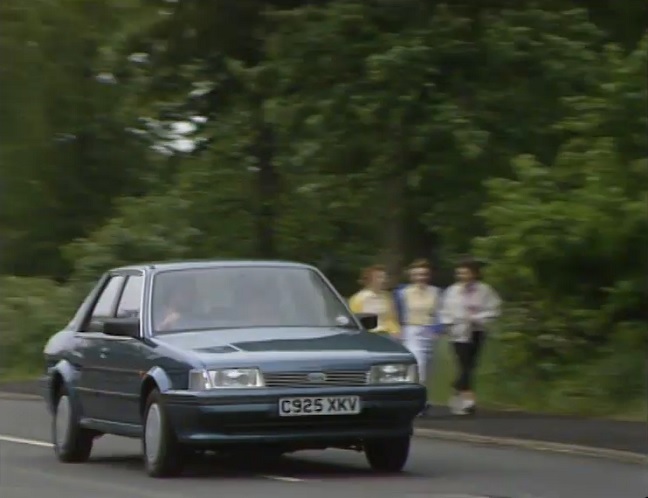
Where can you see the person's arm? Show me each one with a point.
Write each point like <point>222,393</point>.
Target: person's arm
<point>356,303</point>
<point>171,318</point>
<point>398,305</point>
<point>445,314</point>
<point>437,326</point>
<point>391,324</point>
<point>490,307</point>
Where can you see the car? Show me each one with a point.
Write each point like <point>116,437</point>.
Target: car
<point>238,356</point>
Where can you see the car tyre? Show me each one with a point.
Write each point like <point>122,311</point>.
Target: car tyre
<point>387,455</point>
<point>163,455</point>
<point>72,443</point>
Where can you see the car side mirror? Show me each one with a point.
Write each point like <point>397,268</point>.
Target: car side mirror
<point>368,320</point>
<point>122,327</point>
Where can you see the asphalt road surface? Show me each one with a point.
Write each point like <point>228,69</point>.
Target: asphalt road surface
<point>28,469</point>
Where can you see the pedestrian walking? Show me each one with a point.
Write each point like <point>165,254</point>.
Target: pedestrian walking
<point>416,306</point>
<point>468,308</point>
<point>374,298</point>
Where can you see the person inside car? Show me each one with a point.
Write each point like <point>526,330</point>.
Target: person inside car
<point>177,306</point>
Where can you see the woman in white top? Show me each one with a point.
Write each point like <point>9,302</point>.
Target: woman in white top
<point>468,308</point>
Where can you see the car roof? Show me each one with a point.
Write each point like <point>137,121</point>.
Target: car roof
<point>208,264</point>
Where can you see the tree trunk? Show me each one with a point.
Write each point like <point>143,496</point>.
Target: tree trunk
<point>394,191</point>
<point>267,186</point>
<point>393,247</point>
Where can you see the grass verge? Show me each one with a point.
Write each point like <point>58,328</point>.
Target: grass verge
<point>498,393</point>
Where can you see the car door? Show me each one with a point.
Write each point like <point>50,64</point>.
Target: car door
<point>89,344</point>
<point>123,358</point>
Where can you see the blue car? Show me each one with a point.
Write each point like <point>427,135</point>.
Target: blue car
<point>227,356</point>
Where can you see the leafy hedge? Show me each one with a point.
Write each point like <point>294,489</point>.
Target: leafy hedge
<point>31,310</point>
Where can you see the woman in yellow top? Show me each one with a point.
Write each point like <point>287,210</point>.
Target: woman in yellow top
<point>374,298</point>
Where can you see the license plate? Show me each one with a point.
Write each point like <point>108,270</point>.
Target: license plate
<point>326,405</point>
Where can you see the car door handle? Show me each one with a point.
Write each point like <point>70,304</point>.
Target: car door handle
<point>103,352</point>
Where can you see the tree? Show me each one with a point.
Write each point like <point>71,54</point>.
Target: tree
<point>414,107</point>
<point>65,152</point>
<point>567,241</point>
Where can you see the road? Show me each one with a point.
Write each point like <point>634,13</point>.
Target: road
<point>28,469</point>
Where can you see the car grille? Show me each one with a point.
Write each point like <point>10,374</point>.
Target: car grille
<point>313,379</point>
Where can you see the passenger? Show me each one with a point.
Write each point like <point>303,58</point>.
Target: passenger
<point>468,307</point>
<point>417,305</point>
<point>373,298</point>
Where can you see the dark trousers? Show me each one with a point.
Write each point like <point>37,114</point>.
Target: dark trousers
<point>467,356</point>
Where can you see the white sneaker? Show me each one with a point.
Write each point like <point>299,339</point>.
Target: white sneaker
<point>456,405</point>
<point>468,405</point>
<point>461,406</point>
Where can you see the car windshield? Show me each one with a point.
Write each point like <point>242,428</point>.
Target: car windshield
<point>238,297</point>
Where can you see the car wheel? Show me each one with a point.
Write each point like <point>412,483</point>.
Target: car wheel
<point>72,443</point>
<point>163,455</point>
<point>387,455</point>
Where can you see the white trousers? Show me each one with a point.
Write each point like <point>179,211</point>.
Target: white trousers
<point>421,344</point>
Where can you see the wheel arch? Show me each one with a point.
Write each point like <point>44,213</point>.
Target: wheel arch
<point>62,374</point>
<point>155,378</point>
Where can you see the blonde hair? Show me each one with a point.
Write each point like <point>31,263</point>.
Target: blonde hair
<point>367,274</point>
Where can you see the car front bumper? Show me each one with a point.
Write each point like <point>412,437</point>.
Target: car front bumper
<point>216,418</point>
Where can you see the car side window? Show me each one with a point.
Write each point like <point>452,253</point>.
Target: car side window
<point>105,305</point>
<point>131,298</point>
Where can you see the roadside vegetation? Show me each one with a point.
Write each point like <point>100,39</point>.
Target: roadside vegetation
<point>342,133</point>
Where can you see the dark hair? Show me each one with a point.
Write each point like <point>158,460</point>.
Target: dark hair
<point>473,265</point>
<point>367,273</point>
<point>419,263</point>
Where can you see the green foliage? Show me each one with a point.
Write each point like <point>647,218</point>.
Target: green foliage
<point>341,133</point>
<point>62,131</point>
<point>31,308</point>
<point>567,246</point>
<point>150,228</point>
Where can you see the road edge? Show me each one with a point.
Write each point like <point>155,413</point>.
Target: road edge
<point>20,396</point>
<point>470,438</point>
<point>534,445</point>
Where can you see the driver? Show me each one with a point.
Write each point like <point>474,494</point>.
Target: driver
<point>178,305</point>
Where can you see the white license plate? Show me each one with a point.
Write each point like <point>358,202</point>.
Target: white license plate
<point>326,405</point>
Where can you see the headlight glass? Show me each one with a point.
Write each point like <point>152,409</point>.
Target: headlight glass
<point>394,374</point>
<point>227,378</point>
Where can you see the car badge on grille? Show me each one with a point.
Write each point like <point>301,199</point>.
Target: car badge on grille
<point>316,377</point>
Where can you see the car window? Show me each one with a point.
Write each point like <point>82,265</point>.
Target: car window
<point>105,304</point>
<point>130,301</point>
<point>241,297</point>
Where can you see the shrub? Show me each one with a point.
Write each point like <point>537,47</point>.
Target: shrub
<point>31,310</point>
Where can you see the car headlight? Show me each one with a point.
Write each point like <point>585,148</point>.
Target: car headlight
<point>226,378</point>
<point>394,374</point>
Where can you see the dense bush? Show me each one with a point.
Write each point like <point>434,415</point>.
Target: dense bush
<point>31,310</point>
<point>567,247</point>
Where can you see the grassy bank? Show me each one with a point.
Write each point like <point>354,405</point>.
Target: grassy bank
<point>494,391</point>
